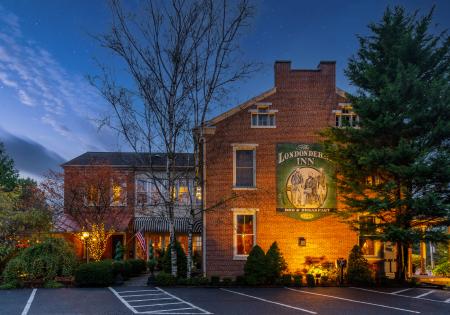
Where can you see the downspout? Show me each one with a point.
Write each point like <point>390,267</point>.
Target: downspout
<point>203,140</point>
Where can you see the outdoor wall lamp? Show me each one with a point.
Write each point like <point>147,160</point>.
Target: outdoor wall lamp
<point>301,241</point>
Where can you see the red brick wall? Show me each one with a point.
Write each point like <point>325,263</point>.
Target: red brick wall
<point>304,100</point>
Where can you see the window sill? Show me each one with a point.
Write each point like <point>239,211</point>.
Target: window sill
<point>244,188</point>
<point>240,257</point>
<point>259,127</point>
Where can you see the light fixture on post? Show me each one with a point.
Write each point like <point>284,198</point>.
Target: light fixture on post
<point>301,241</point>
<point>84,237</point>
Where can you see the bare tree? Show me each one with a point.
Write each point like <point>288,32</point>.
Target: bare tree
<point>180,57</point>
<point>94,197</point>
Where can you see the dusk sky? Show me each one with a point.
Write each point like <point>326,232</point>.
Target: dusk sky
<point>48,110</point>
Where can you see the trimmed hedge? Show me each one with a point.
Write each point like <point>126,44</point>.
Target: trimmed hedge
<point>165,279</point>
<point>181,261</point>
<point>94,274</point>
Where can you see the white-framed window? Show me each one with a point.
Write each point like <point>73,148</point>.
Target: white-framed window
<point>263,116</point>
<point>345,116</point>
<point>244,232</point>
<point>119,193</point>
<point>244,166</point>
<point>367,228</point>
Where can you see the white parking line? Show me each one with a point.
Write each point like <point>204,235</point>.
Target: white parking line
<point>400,291</point>
<point>160,296</point>
<point>30,300</point>
<point>447,300</point>
<point>424,294</point>
<point>402,295</point>
<point>125,296</point>
<point>354,301</point>
<point>120,292</point>
<point>273,302</point>
<point>190,304</point>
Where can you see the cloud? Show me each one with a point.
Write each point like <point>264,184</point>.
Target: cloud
<point>36,76</point>
<point>30,158</point>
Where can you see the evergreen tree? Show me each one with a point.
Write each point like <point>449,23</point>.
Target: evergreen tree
<point>255,267</point>
<point>358,271</point>
<point>8,174</point>
<point>275,263</point>
<point>396,164</point>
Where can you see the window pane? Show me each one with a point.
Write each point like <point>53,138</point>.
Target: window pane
<point>248,225</point>
<point>254,120</point>
<point>367,246</point>
<point>262,119</point>
<point>244,177</point>
<point>271,120</point>
<point>337,121</point>
<point>142,198</point>
<point>244,244</point>
<point>244,158</point>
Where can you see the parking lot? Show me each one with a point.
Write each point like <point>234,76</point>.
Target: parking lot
<point>232,300</point>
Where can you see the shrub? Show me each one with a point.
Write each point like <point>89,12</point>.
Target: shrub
<point>310,281</point>
<point>226,281</point>
<point>442,269</point>
<point>52,284</point>
<point>94,274</point>
<point>10,285</point>
<point>255,266</point>
<point>165,279</point>
<point>298,280</point>
<point>358,272</point>
<point>138,266</point>
<point>199,281</point>
<point>127,269</point>
<point>43,261</point>
<point>181,261</point>
<point>118,267</point>
<point>286,279</point>
<point>215,280</point>
<point>240,280</point>
<point>275,263</point>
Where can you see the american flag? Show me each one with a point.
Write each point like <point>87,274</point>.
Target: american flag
<point>141,240</point>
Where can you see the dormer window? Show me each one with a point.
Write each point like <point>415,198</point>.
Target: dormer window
<point>345,116</point>
<point>262,116</point>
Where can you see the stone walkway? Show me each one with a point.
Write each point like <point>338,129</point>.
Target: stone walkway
<point>137,281</point>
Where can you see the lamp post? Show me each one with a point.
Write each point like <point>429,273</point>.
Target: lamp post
<point>84,237</point>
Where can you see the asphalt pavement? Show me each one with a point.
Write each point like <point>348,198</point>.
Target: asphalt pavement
<point>227,300</point>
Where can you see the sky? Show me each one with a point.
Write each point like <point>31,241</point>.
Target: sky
<point>49,112</point>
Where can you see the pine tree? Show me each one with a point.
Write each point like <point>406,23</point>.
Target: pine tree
<point>358,271</point>
<point>8,174</point>
<point>255,267</point>
<point>275,263</point>
<point>396,164</point>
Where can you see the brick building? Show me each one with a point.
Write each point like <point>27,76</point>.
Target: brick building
<point>243,154</point>
<point>132,199</point>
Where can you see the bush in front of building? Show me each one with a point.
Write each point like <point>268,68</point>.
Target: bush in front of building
<point>40,263</point>
<point>297,280</point>
<point>310,280</point>
<point>275,263</point>
<point>255,268</point>
<point>138,266</point>
<point>358,271</point>
<point>165,279</point>
<point>181,261</point>
<point>94,274</point>
<point>442,269</point>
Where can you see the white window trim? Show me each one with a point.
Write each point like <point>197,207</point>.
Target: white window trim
<point>368,236</point>
<point>269,112</point>
<point>244,146</point>
<point>242,211</point>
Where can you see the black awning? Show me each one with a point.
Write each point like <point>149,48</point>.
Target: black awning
<point>161,225</point>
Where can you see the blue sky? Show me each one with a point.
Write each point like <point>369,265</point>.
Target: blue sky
<point>48,110</point>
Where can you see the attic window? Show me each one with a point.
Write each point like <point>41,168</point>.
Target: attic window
<point>345,117</point>
<point>263,117</point>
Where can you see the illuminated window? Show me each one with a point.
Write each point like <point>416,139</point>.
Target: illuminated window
<point>367,229</point>
<point>345,117</point>
<point>93,196</point>
<point>244,167</point>
<point>119,194</point>
<point>183,194</point>
<point>262,117</point>
<point>244,233</point>
<point>197,244</point>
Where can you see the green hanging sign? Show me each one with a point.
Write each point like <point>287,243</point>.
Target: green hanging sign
<point>306,186</point>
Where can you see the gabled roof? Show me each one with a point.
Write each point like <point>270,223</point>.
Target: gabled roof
<point>130,159</point>
<point>240,107</point>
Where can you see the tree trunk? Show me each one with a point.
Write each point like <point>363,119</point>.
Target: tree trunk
<point>189,253</point>
<point>173,250</point>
